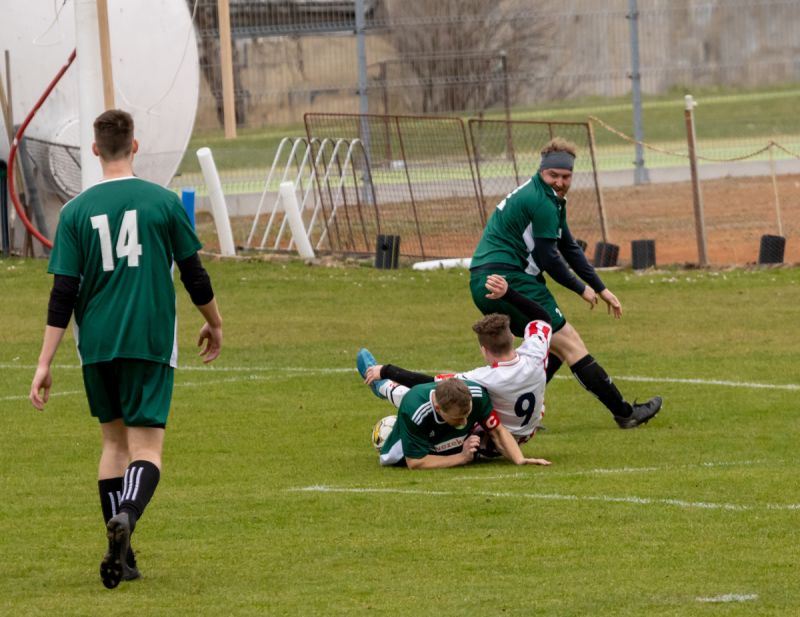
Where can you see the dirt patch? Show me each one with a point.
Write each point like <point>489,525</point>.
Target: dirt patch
<point>737,212</point>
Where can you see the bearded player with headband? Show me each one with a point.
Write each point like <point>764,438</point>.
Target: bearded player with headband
<point>526,236</point>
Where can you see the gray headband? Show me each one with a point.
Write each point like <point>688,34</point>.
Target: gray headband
<point>557,159</point>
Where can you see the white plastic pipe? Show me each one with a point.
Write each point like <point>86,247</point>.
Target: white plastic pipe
<point>289,201</point>
<point>219,208</point>
<point>90,86</point>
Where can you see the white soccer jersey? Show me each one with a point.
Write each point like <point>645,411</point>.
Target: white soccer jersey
<point>516,387</point>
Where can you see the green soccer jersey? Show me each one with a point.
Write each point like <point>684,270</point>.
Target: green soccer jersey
<point>531,211</point>
<point>420,431</point>
<point>120,238</point>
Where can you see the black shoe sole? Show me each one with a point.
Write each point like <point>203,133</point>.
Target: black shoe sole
<point>118,535</point>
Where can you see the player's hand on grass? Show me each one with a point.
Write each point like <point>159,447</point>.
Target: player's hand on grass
<point>470,447</point>
<point>373,373</point>
<point>589,296</point>
<point>40,387</point>
<point>534,461</point>
<point>497,286</point>
<point>614,305</point>
<point>212,336</point>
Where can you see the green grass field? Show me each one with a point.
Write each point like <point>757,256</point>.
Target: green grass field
<point>272,501</point>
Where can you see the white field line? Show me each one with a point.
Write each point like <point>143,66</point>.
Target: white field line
<point>633,500</point>
<point>603,471</point>
<point>327,371</point>
<point>730,597</point>
<point>182,384</point>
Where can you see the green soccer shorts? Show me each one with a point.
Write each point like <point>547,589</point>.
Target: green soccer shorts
<point>138,391</point>
<point>532,287</point>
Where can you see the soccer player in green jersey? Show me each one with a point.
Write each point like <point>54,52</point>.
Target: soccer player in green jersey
<point>526,236</point>
<point>434,427</point>
<point>112,265</point>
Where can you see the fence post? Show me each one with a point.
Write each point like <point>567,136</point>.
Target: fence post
<point>640,175</point>
<point>775,188</point>
<point>600,203</point>
<point>226,67</point>
<point>699,219</point>
<point>507,105</point>
<point>363,96</point>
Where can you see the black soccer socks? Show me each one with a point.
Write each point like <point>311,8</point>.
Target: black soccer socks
<point>141,479</point>
<point>110,495</point>
<point>553,364</point>
<point>593,378</point>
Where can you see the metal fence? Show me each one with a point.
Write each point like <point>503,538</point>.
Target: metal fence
<point>505,59</point>
<point>420,179</point>
<point>431,181</point>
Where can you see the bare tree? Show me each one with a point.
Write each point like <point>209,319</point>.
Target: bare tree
<point>467,54</point>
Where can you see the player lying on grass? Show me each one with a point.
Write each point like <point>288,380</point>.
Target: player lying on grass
<point>434,426</point>
<point>514,378</point>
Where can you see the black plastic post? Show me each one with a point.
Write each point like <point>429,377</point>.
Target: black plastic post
<point>581,243</point>
<point>4,209</point>
<point>643,254</point>
<point>387,252</point>
<point>771,250</point>
<point>605,255</point>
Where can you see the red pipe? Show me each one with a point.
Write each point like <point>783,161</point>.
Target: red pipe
<point>17,137</point>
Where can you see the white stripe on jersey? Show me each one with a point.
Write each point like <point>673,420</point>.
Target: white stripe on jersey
<point>422,411</point>
<point>530,243</point>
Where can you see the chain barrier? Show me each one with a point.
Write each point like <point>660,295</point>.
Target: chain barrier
<point>770,144</point>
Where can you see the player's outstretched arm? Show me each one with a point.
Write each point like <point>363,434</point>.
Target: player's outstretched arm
<point>42,379</point>
<point>509,447</point>
<point>499,289</point>
<point>434,461</point>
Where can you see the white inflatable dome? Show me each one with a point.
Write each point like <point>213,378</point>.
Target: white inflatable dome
<point>156,79</point>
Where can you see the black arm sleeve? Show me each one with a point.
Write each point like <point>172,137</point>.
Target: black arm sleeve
<point>533,310</point>
<point>63,297</point>
<point>404,377</point>
<point>196,280</point>
<point>576,259</point>
<point>548,257</point>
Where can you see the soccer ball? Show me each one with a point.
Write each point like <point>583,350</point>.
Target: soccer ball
<point>381,430</point>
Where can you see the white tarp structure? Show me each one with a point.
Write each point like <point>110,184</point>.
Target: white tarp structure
<point>156,78</point>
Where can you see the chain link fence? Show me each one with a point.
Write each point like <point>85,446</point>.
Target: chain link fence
<point>430,181</point>
<point>297,56</point>
<point>507,59</point>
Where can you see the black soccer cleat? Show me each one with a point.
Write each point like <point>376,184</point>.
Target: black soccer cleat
<point>114,561</point>
<point>129,570</point>
<point>640,413</point>
<point>130,573</point>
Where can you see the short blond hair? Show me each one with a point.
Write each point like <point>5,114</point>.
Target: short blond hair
<point>559,144</point>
